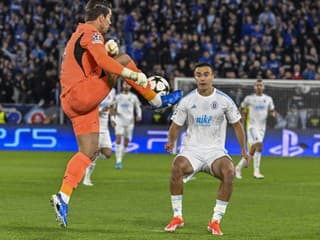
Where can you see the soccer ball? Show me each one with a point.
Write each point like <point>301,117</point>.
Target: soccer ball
<point>159,85</point>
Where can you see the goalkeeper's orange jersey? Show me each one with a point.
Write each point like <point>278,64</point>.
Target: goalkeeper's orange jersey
<point>85,57</point>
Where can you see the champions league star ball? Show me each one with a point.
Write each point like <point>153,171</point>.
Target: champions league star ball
<point>159,85</point>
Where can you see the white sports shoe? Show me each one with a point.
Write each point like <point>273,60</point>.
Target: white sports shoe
<point>258,175</point>
<point>238,173</point>
<point>87,182</point>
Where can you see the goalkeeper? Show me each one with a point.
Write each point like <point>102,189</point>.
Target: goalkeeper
<point>87,75</point>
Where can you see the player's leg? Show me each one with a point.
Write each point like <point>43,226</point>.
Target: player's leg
<point>252,136</point>
<point>105,143</point>
<point>180,167</point>
<point>242,164</point>
<point>86,128</point>
<point>88,150</point>
<point>118,152</point>
<point>89,170</point>
<point>119,131</point>
<point>85,96</point>
<point>257,160</point>
<point>153,98</point>
<point>222,169</point>
<point>125,146</point>
<point>105,146</point>
<point>106,152</point>
<point>128,132</point>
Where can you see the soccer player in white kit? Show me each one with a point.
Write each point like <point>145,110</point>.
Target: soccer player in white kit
<point>205,111</point>
<point>105,145</point>
<point>126,104</point>
<point>255,108</point>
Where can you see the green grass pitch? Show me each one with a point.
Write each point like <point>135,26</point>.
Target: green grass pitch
<point>133,203</point>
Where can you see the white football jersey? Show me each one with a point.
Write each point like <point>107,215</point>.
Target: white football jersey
<point>107,101</point>
<point>125,106</point>
<point>206,119</point>
<point>258,110</point>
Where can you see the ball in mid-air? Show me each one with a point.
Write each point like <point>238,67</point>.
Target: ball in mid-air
<point>159,85</point>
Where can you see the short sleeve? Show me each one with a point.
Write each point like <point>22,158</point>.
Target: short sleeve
<point>179,116</point>
<point>245,102</point>
<point>271,104</point>
<point>232,113</point>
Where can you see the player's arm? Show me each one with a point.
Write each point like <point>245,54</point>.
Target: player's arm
<point>178,118</point>
<point>172,136</point>
<point>239,131</point>
<point>243,112</point>
<point>112,113</point>
<point>273,113</point>
<point>244,109</point>
<point>272,110</point>
<point>112,66</point>
<point>137,106</point>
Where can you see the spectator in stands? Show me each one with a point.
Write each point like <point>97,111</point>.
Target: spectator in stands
<point>274,64</point>
<point>312,56</point>
<point>206,58</point>
<point>247,27</point>
<point>129,28</point>
<point>296,75</point>
<point>309,73</point>
<point>254,70</point>
<point>30,33</point>
<point>267,18</point>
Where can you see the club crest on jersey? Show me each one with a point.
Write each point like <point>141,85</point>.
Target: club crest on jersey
<point>214,105</point>
<point>96,38</point>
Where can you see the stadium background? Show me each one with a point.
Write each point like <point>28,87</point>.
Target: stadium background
<point>272,39</point>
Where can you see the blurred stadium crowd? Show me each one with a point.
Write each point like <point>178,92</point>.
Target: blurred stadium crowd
<point>272,39</point>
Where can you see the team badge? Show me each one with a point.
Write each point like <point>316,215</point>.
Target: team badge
<point>214,105</point>
<point>96,38</point>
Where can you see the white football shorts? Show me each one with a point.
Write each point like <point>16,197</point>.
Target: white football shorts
<point>255,135</point>
<point>201,161</point>
<point>125,131</point>
<point>104,134</point>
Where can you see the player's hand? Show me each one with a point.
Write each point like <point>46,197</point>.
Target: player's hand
<point>112,47</point>
<point>246,157</point>
<point>142,80</point>
<point>169,146</point>
<point>139,77</point>
<point>275,114</point>
<point>138,119</point>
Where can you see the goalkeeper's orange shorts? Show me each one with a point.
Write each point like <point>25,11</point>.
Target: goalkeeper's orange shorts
<point>81,103</point>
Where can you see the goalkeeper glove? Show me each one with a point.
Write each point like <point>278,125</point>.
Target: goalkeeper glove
<point>112,47</point>
<point>139,77</point>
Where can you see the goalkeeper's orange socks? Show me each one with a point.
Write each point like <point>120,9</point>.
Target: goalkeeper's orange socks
<point>73,175</point>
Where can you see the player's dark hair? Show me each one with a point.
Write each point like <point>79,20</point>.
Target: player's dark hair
<point>259,80</point>
<point>203,64</point>
<point>95,8</point>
